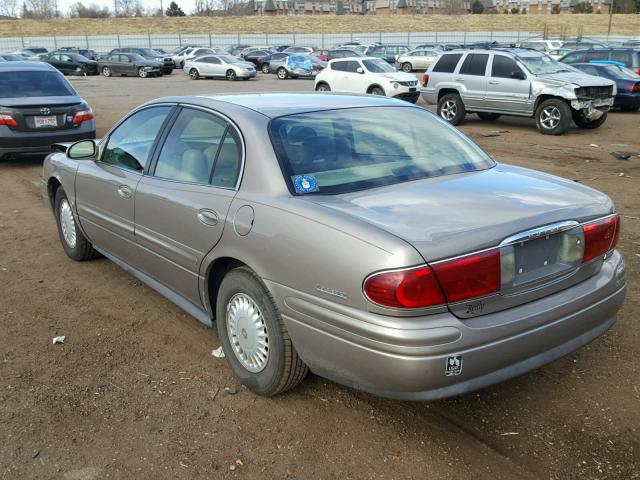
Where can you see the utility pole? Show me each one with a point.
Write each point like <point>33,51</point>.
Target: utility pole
<point>610,18</point>
<point>161,9</point>
<point>115,8</point>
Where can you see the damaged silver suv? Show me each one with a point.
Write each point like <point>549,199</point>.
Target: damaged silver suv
<point>516,81</point>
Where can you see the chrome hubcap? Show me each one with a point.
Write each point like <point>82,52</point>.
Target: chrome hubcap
<point>194,74</point>
<point>106,72</point>
<point>282,74</point>
<point>67,223</point>
<point>550,117</point>
<point>448,110</point>
<point>247,333</point>
<point>231,75</point>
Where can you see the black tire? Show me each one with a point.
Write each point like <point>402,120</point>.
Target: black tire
<point>231,75</point>
<point>553,117</point>
<point>194,74</point>
<point>81,70</point>
<point>142,73</point>
<point>630,108</point>
<point>265,68</point>
<point>407,67</point>
<point>488,117</point>
<point>167,71</point>
<point>584,123</point>
<point>323,87</point>
<point>451,109</point>
<point>376,91</point>
<point>106,71</point>
<point>282,73</point>
<point>82,249</point>
<point>284,369</point>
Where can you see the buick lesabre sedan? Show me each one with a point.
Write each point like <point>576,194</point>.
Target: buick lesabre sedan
<point>404,262</point>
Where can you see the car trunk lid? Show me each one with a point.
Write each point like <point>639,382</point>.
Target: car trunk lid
<point>42,113</point>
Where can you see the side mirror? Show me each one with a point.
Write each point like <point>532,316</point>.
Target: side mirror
<point>82,149</point>
<point>518,75</point>
<point>360,70</point>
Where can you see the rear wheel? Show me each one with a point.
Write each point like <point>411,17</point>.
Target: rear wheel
<point>231,75</point>
<point>488,117</point>
<point>323,87</point>
<point>553,117</point>
<point>282,73</point>
<point>583,122</point>
<point>265,68</point>
<point>142,73</point>
<point>407,67</point>
<point>253,336</point>
<point>193,74</point>
<point>451,108</point>
<point>106,71</point>
<point>74,243</point>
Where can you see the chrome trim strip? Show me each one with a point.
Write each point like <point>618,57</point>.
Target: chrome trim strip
<point>539,232</point>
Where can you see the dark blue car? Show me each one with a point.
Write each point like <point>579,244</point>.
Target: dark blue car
<point>627,82</point>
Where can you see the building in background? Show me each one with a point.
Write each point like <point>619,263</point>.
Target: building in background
<point>544,7</point>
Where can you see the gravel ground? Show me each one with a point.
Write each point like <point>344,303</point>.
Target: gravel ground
<point>135,393</point>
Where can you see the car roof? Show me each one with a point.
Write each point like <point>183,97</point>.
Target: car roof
<point>26,66</point>
<point>279,104</point>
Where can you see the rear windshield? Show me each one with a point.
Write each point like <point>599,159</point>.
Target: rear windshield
<point>33,84</point>
<point>340,151</point>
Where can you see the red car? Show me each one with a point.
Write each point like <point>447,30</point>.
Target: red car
<point>320,54</point>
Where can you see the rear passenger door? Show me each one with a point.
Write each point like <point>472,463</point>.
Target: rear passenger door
<point>506,92</point>
<point>181,207</point>
<point>472,76</point>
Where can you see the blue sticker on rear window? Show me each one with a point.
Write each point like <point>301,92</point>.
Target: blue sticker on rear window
<point>305,184</point>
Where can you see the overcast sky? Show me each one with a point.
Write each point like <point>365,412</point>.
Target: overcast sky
<point>186,5</point>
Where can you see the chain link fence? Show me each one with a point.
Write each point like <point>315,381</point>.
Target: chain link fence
<point>105,43</point>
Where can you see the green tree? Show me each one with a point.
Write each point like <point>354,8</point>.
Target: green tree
<point>174,10</point>
<point>477,7</point>
<point>583,7</point>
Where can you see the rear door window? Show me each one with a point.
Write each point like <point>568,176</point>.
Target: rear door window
<point>447,63</point>
<point>596,56</point>
<point>339,66</point>
<point>624,57</point>
<point>475,64</point>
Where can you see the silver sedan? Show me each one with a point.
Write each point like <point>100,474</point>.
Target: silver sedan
<point>219,66</point>
<point>403,261</point>
<point>418,59</point>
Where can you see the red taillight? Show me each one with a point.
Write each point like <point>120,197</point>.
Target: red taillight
<point>7,119</point>
<point>83,116</point>
<point>633,88</point>
<point>411,288</point>
<point>425,79</point>
<point>600,237</point>
<point>470,276</point>
<point>638,71</point>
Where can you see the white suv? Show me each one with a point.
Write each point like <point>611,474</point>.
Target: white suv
<point>367,75</point>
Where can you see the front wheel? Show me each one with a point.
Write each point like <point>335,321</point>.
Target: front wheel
<point>376,91</point>
<point>106,71</point>
<point>193,74</point>
<point>407,67</point>
<point>81,71</point>
<point>231,75</point>
<point>265,68</point>
<point>553,117</point>
<point>323,87</point>
<point>583,122</point>
<point>253,336</point>
<point>451,109</point>
<point>74,243</point>
<point>282,73</point>
<point>142,73</point>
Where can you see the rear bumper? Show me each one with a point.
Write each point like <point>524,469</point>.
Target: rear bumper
<point>365,351</point>
<point>627,101</point>
<point>39,143</point>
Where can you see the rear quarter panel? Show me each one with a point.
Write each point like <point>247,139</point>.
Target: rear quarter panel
<point>57,167</point>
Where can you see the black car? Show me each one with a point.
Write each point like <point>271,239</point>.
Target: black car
<point>167,63</point>
<point>72,63</point>
<point>236,49</point>
<point>628,83</point>
<point>256,56</point>
<point>38,107</point>
<point>264,62</point>
<point>129,64</point>
<point>630,57</point>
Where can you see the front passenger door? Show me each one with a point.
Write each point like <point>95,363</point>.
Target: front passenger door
<point>504,90</point>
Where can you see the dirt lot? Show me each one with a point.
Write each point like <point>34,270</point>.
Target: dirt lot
<point>587,24</point>
<point>135,393</point>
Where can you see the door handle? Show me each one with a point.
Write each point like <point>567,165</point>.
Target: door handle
<point>124,191</point>
<point>459,79</point>
<point>207,217</point>
<point>494,82</point>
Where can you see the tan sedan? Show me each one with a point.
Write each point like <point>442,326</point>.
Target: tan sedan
<point>416,60</point>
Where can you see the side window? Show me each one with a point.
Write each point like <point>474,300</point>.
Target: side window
<point>352,66</point>
<point>475,64</point>
<point>339,66</point>
<point>597,56</point>
<point>624,57</point>
<point>447,63</point>
<point>227,164</point>
<point>191,147</point>
<point>503,66</point>
<point>130,143</point>
<point>572,58</point>
<point>214,60</point>
<point>125,59</point>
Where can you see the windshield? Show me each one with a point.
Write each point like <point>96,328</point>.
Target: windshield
<point>375,65</point>
<point>149,52</point>
<point>622,73</point>
<point>543,64</point>
<point>341,151</point>
<point>18,84</point>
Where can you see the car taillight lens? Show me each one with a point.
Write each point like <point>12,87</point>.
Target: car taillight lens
<point>638,71</point>
<point>600,237</point>
<point>83,116</point>
<point>425,79</point>
<point>634,88</point>
<point>470,276</point>
<point>411,288</point>
<point>7,119</point>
